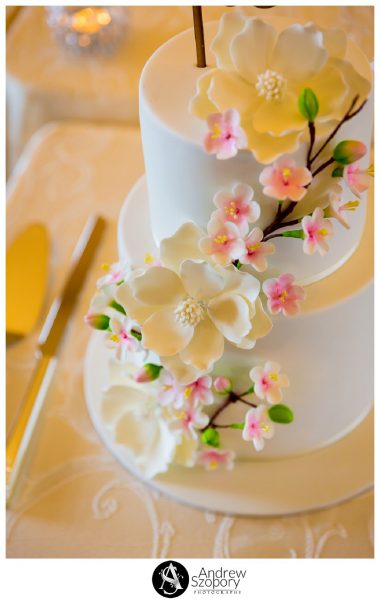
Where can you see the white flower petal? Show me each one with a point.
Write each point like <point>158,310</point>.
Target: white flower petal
<point>135,309</point>
<point>163,334</point>
<point>229,90</point>
<point>252,48</point>
<point>186,451</point>
<point>183,373</point>
<point>335,42</point>
<point>201,104</point>
<point>266,148</point>
<point>358,84</point>
<point>183,245</point>
<point>299,53</point>
<point>205,348</point>
<point>241,283</point>
<point>277,118</point>
<point>229,25</point>
<point>158,286</point>
<point>261,326</point>
<point>331,90</point>
<point>230,314</point>
<point>200,280</point>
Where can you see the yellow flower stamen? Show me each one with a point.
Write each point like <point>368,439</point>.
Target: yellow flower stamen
<point>216,132</point>
<point>273,376</point>
<point>115,338</point>
<point>148,258</point>
<point>283,296</point>
<point>254,247</point>
<point>105,267</point>
<point>213,464</point>
<point>323,232</point>
<point>265,428</point>
<point>220,239</point>
<point>286,172</point>
<point>351,206</point>
<point>230,210</point>
<point>187,392</point>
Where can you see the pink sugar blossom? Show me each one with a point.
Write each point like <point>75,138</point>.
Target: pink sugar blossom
<point>257,427</point>
<point>222,384</point>
<point>224,243</point>
<point>115,273</point>
<point>317,231</point>
<point>285,180</point>
<point>151,260</point>
<point>268,382</point>
<point>200,391</point>
<point>338,206</point>
<point>171,392</point>
<point>120,336</point>
<point>212,458</point>
<point>283,296</point>
<point>237,206</point>
<point>257,250</point>
<point>225,136</point>
<point>357,179</point>
<point>190,420</point>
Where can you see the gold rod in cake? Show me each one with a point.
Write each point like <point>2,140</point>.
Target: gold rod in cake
<point>199,36</point>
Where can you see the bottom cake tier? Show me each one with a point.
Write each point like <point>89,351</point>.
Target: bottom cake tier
<point>326,351</point>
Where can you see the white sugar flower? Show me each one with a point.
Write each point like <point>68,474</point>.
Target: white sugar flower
<point>260,72</point>
<point>137,424</point>
<point>187,308</point>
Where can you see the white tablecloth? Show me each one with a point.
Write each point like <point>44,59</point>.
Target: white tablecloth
<point>45,84</point>
<point>76,500</point>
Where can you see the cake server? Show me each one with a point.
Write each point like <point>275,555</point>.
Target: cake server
<point>48,345</point>
<point>27,265</point>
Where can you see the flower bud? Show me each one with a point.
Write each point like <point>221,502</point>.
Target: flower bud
<point>308,104</point>
<point>97,321</point>
<point>148,373</point>
<point>349,151</point>
<point>222,385</point>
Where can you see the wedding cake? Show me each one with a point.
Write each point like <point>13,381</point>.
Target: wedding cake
<point>256,171</point>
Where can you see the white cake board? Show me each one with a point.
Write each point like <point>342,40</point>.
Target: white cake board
<point>286,486</point>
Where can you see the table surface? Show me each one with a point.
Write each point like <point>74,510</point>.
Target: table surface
<point>34,58</point>
<point>76,500</point>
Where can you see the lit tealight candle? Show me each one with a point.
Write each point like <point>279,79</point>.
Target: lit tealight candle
<point>90,20</point>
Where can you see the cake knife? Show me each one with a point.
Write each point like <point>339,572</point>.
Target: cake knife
<point>48,345</point>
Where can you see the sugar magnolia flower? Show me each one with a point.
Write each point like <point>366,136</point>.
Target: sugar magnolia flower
<point>120,336</point>
<point>115,273</point>
<point>225,136</point>
<point>137,423</point>
<point>284,180</point>
<point>338,206</point>
<point>187,308</point>
<point>358,179</point>
<point>211,458</point>
<point>317,231</point>
<point>224,243</point>
<point>268,382</point>
<point>237,207</point>
<point>256,250</point>
<point>257,427</point>
<point>283,296</point>
<point>260,72</point>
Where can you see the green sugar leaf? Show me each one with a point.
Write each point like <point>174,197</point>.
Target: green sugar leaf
<point>308,104</point>
<point>280,413</point>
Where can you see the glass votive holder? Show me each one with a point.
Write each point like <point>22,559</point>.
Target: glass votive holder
<point>88,29</point>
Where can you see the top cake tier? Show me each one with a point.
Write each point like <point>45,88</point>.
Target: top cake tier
<point>183,179</point>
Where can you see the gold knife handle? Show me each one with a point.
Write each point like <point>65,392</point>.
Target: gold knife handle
<point>20,436</point>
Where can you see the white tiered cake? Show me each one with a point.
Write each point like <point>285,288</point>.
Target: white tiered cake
<point>222,299</point>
